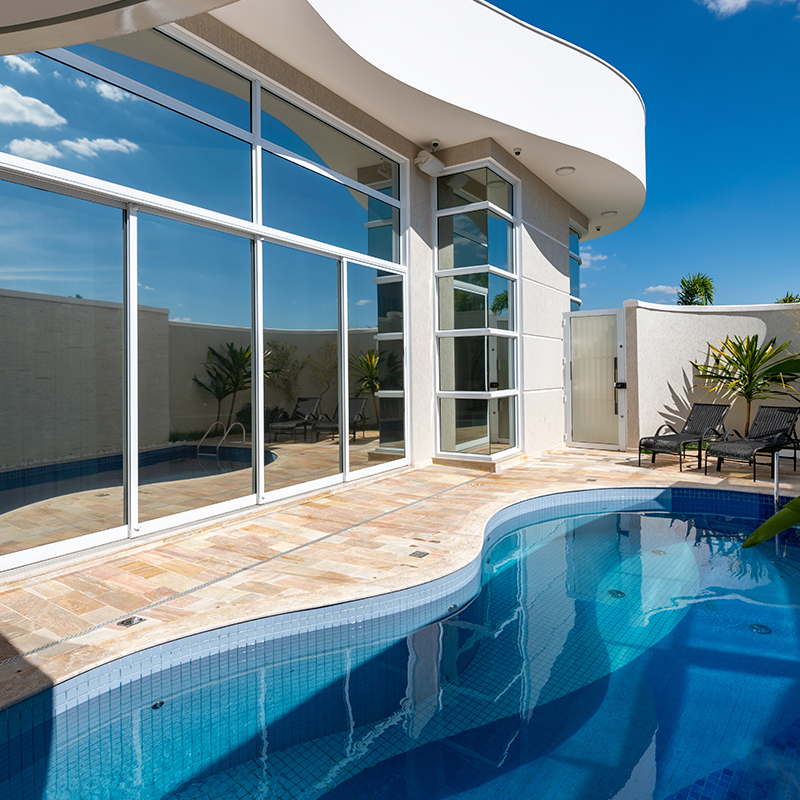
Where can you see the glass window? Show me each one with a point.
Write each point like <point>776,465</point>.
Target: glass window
<point>474,239</point>
<point>64,117</point>
<point>288,126</point>
<point>475,186</point>
<point>61,367</point>
<point>481,427</point>
<point>476,363</point>
<point>375,365</point>
<point>482,300</point>
<point>161,63</point>
<point>195,367</point>
<point>303,202</point>
<point>574,242</point>
<point>301,346</point>
<point>574,276</point>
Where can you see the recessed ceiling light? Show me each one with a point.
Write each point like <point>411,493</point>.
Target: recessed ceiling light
<point>565,170</point>
<point>609,214</point>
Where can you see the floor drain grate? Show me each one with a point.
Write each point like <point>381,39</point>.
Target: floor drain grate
<point>757,627</point>
<point>419,554</point>
<point>126,623</point>
<point>157,705</point>
<point>616,593</point>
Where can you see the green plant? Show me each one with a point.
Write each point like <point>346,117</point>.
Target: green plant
<point>284,373</point>
<point>500,303</point>
<point>743,368</point>
<point>324,365</point>
<point>788,298</point>
<point>696,289</point>
<point>229,372</point>
<point>364,369</point>
<point>786,518</point>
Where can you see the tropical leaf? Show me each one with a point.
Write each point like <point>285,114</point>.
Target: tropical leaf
<point>782,520</point>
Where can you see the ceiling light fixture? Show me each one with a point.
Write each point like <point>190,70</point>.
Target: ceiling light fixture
<point>565,170</point>
<point>609,214</point>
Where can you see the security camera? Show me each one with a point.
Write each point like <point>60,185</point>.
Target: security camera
<point>598,228</point>
<point>517,151</point>
<point>434,144</point>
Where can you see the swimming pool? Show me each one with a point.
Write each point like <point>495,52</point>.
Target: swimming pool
<point>608,644</point>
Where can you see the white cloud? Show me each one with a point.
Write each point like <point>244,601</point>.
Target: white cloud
<point>362,302</point>
<point>90,148</point>
<point>110,92</point>
<point>150,288</point>
<point>81,82</point>
<point>35,149</point>
<point>16,107</point>
<point>727,8</point>
<point>582,286</point>
<point>20,64</point>
<point>590,259</point>
<point>661,289</point>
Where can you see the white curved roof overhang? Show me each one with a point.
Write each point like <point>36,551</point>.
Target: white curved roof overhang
<point>44,24</point>
<point>462,70</point>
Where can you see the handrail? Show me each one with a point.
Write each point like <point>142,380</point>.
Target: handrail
<point>225,435</point>
<point>205,435</point>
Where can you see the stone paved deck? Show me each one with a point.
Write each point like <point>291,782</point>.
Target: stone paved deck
<point>354,542</point>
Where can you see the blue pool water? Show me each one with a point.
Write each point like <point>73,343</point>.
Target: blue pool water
<point>610,645</point>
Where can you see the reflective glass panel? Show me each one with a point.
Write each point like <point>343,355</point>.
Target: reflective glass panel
<point>60,116</point>
<point>375,365</point>
<point>301,201</point>
<point>475,186</point>
<point>195,367</point>
<point>289,126</point>
<point>574,242</point>
<point>574,277</point>
<point>61,368</point>
<point>481,300</point>
<point>476,363</point>
<point>480,427</point>
<point>301,345</point>
<point>474,239</point>
<point>161,63</point>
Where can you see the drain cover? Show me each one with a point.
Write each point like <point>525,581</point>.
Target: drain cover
<point>757,627</point>
<point>419,554</point>
<point>659,552</point>
<point>616,593</point>
<point>126,623</point>
<point>157,704</point>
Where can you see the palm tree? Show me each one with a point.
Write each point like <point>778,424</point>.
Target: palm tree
<point>696,289</point>
<point>788,298</point>
<point>744,368</point>
<point>364,368</point>
<point>229,372</point>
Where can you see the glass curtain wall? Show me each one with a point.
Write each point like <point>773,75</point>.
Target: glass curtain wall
<point>376,407</point>
<point>195,367</point>
<point>83,451</point>
<point>61,368</point>
<point>476,330</point>
<point>301,365</point>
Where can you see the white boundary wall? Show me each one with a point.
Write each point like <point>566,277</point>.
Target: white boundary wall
<point>661,341</point>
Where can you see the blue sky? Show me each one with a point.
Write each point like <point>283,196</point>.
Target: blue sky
<point>721,84</point>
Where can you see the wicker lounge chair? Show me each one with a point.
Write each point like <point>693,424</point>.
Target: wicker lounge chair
<point>772,430</point>
<point>331,424</point>
<point>304,414</point>
<point>704,424</point>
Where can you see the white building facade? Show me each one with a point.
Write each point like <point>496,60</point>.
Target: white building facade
<point>205,222</point>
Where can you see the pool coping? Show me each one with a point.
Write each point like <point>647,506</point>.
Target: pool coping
<point>462,550</point>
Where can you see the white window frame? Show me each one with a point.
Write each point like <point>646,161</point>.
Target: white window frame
<point>511,275</point>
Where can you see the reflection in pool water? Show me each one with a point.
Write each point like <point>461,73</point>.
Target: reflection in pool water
<point>607,655</point>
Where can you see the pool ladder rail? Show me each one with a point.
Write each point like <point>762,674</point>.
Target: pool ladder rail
<point>225,432</point>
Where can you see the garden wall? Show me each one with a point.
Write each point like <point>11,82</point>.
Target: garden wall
<point>662,340</point>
